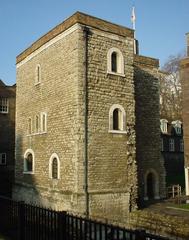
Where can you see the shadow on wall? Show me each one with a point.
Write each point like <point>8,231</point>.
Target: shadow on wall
<point>25,184</point>
<point>148,133</point>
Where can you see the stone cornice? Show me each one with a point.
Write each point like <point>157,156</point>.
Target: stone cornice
<point>80,18</point>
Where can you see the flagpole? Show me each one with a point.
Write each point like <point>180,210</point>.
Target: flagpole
<point>133,18</point>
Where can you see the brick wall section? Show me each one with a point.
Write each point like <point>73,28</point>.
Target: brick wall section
<point>7,139</point>
<point>184,75</point>
<point>184,71</point>
<point>148,123</point>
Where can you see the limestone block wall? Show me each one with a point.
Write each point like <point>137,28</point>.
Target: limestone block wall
<point>112,174</point>
<point>56,95</point>
<point>147,128</point>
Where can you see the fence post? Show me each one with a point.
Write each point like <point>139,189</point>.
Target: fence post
<point>62,225</point>
<point>140,235</point>
<point>21,223</point>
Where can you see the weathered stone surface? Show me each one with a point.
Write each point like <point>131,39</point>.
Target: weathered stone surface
<point>112,167</point>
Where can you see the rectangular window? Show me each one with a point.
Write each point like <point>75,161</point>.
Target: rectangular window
<point>4,105</point>
<point>29,126</point>
<point>171,145</point>
<point>43,122</point>
<point>181,145</point>
<point>2,158</point>
<point>37,124</point>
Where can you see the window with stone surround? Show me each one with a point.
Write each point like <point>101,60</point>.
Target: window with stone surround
<point>115,62</point>
<point>177,126</point>
<point>54,166</point>
<point>4,105</point>
<point>117,119</point>
<point>37,123</point>
<point>171,145</point>
<point>29,162</point>
<point>163,125</point>
<point>43,122</point>
<point>38,74</point>
<point>181,145</point>
<point>3,159</point>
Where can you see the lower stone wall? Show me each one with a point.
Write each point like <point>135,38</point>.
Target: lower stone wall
<point>109,206</point>
<point>106,207</point>
<point>173,227</point>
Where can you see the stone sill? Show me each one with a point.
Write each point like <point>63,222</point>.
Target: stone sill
<point>4,112</point>
<point>117,131</point>
<point>34,134</point>
<point>116,74</point>
<point>32,173</point>
<point>38,83</point>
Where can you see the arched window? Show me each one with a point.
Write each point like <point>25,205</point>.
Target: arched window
<point>177,126</point>
<point>115,62</point>
<point>151,185</point>
<point>117,119</point>
<point>54,166</point>
<point>29,161</point>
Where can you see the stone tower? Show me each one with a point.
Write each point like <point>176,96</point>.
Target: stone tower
<point>76,115</point>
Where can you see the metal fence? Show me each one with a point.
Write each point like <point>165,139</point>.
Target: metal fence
<point>22,221</point>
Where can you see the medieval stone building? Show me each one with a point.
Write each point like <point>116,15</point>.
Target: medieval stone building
<point>184,74</point>
<point>87,132</point>
<point>7,137</point>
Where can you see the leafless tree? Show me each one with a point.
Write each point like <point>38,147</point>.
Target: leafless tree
<point>170,90</point>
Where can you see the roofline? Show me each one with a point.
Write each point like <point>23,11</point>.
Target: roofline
<point>80,18</point>
<point>146,61</point>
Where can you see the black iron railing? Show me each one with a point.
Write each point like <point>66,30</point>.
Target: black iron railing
<point>22,221</point>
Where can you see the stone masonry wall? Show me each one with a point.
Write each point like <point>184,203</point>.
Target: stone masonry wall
<point>57,96</point>
<point>112,169</point>
<point>112,176</point>
<point>147,127</point>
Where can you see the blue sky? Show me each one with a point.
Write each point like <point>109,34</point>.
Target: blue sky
<point>160,25</point>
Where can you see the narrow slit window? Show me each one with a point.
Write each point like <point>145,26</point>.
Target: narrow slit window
<point>38,74</point>
<point>29,163</point>
<point>43,122</point>
<point>37,123</point>
<point>114,62</point>
<point>55,168</point>
<point>117,119</point>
